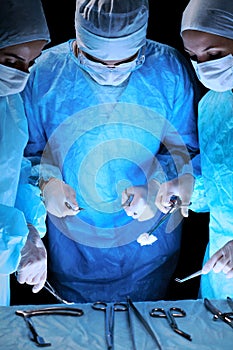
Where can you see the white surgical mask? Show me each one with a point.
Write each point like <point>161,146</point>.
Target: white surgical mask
<point>12,81</point>
<point>217,74</point>
<point>104,75</point>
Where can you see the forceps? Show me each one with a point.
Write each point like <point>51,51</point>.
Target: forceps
<point>170,315</point>
<point>175,204</point>
<point>143,321</point>
<point>52,291</point>
<point>195,274</point>
<point>109,317</point>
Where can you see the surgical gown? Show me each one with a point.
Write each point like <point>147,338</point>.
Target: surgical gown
<point>14,217</point>
<point>216,135</point>
<point>101,140</point>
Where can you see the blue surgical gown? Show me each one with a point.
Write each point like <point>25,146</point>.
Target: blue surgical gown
<point>215,187</point>
<point>101,140</point>
<point>15,170</point>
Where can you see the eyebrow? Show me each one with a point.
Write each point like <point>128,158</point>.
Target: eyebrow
<point>19,57</point>
<point>210,47</point>
<point>14,55</point>
<point>206,49</point>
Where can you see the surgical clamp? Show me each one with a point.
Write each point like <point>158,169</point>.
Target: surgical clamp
<point>56,310</point>
<point>170,315</point>
<point>226,317</point>
<point>109,311</point>
<point>34,336</point>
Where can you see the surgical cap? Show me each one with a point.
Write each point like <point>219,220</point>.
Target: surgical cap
<point>210,16</point>
<point>111,29</point>
<point>22,21</point>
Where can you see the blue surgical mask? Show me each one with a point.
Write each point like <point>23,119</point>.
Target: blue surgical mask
<point>12,81</point>
<point>104,75</point>
<point>216,74</point>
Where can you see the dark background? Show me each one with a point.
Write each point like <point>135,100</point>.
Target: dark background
<point>164,26</point>
<point>164,20</point>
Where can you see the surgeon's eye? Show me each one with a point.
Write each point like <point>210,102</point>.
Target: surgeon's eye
<point>31,63</point>
<point>193,57</point>
<point>10,63</point>
<point>215,56</point>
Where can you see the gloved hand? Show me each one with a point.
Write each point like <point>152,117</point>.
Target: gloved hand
<point>32,268</point>
<point>222,260</point>
<point>142,205</point>
<point>59,198</point>
<point>181,187</point>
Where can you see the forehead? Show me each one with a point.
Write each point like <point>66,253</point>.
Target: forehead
<point>197,39</point>
<point>28,50</point>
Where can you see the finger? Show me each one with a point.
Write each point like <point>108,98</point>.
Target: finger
<point>226,269</point>
<point>26,278</point>
<point>23,275</point>
<point>185,211</point>
<point>134,211</point>
<point>159,205</point>
<point>230,274</point>
<point>220,265</point>
<point>211,262</point>
<point>38,276</point>
<point>37,287</point>
<point>185,203</point>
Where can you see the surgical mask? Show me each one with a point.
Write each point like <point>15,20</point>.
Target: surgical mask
<point>12,81</point>
<point>217,74</point>
<point>104,75</point>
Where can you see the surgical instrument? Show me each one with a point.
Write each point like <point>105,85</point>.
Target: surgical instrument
<point>109,310</point>
<point>230,302</point>
<point>52,291</point>
<point>54,310</point>
<point>143,321</point>
<point>175,204</point>
<point>170,315</point>
<point>196,274</point>
<point>34,336</point>
<point>69,206</point>
<point>226,317</point>
<point>128,201</point>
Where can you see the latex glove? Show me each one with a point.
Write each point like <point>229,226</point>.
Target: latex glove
<point>181,187</point>
<point>142,206</point>
<point>222,260</point>
<point>32,268</point>
<point>60,198</point>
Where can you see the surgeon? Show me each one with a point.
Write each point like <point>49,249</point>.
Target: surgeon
<point>23,35</point>
<point>112,117</point>
<point>207,33</point>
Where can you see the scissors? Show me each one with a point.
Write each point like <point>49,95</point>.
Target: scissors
<point>170,315</point>
<point>226,317</point>
<point>109,310</point>
<point>52,291</point>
